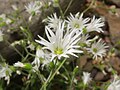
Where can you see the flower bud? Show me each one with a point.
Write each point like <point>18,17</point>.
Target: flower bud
<point>28,66</point>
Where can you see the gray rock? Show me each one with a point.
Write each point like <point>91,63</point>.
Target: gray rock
<point>99,76</point>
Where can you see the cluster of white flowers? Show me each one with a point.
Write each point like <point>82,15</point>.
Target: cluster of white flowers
<point>68,37</point>
<point>60,44</point>
<point>38,6</point>
<point>5,72</point>
<point>64,38</point>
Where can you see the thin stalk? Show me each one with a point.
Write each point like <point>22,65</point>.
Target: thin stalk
<point>91,4</point>
<point>1,57</point>
<point>51,76</point>
<point>30,36</point>
<point>25,58</point>
<point>84,87</point>
<point>15,49</point>
<point>57,70</point>
<point>29,52</point>
<point>71,82</point>
<point>68,6</point>
<point>41,77</point>
<point>66,72</point>
<point>73,76</point>
<point>61,12</point>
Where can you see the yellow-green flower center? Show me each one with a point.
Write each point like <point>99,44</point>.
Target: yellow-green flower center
<point>33,13</point>
<point>7,72</point>
<point>58,51</point>
<point>76,25</point>
<point>95,50</point>
<point>82,44</point>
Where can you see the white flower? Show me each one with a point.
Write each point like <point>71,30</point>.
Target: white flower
<point>86,78</point>
<point>84,41</point>
<point>47,59</point>
<point>115,85</point>
<point>33,7</point>
<point>95,25</point>
<point>4,19</point>
<point>60,44</point>
<point>46,3</point>
<point>1,36</point>
<point>19,64</point>
<point>53,21</point>
<point>98,49</point>
<point>31,46</point>
<point>77,22</point>
<point>41,57</point>
<point>5,72</point>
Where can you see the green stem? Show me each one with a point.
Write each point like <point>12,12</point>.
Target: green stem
<point>71,82</point>
<point>66,72</point>
<point>15,49</point>
<point>41,77</point>
<point>1,57</point>
<point>91,4</point>
<point>27,30</point>
<point>84,87</point>
<point>25,58</point>
<point>73,76</point>
<point>57,70</point>
<point>68,6</point>
<point>51,76</point>
<point>61,12</point>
